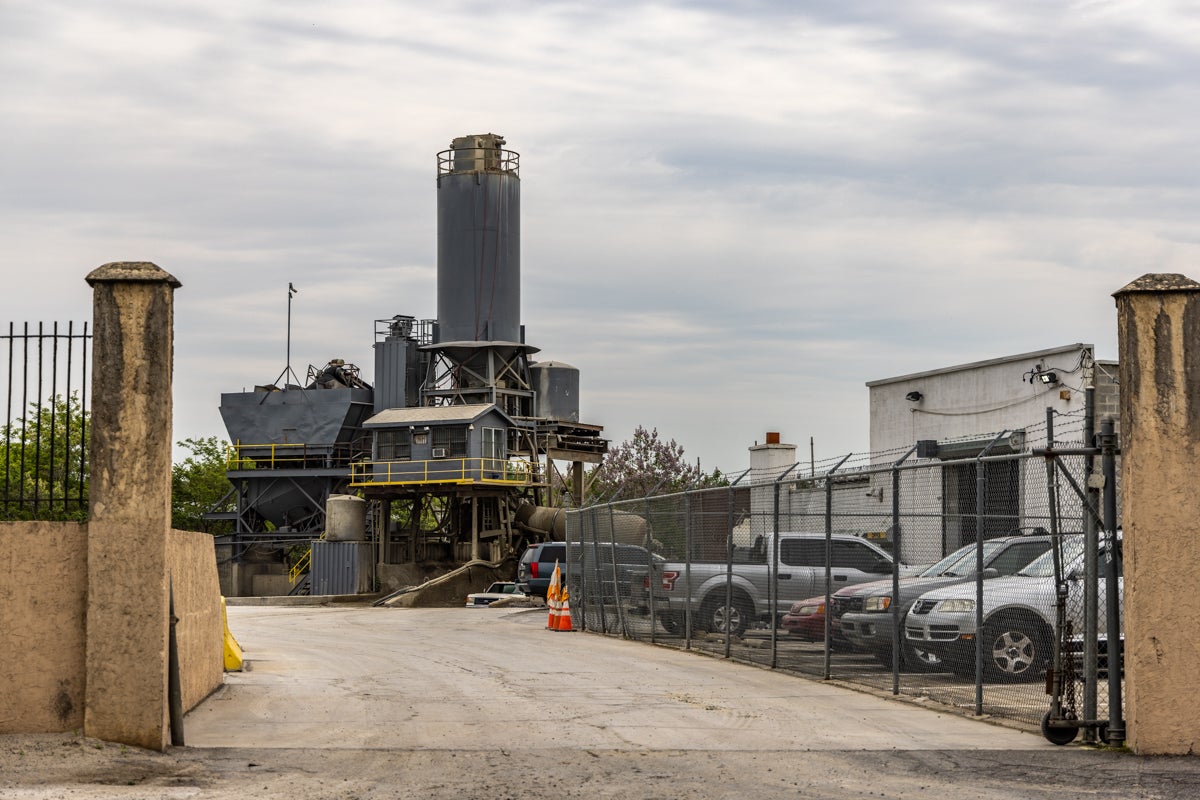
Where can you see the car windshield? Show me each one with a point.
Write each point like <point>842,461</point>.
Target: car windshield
<point>962,561</point>
<point>938,568</point>
<point>1043,565</point>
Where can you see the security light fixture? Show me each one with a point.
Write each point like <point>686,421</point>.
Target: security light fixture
<point>914,397</point>
<point>1048,378</point>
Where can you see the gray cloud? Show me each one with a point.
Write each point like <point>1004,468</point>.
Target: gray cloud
<point>734,213</point>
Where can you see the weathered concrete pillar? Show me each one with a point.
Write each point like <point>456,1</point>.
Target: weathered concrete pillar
<point>130,504</point>
<point>1159,330</point>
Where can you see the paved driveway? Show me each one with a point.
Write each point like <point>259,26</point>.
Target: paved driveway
<point>484,704</point>
<point>468,679</point>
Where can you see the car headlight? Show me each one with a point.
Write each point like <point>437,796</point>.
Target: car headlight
<point>878,603</point>
<point>956,605</point>
<point>808,611</point>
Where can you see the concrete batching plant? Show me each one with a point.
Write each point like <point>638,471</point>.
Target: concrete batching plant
<point>454,446</point>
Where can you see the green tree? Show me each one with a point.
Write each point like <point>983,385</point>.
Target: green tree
<point>646,464</point>
<point>198,485</point>
<point>44,461</point>
<point>44,469</point>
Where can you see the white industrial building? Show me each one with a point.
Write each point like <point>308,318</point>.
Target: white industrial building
<point>971,403</point>
<point>955,412</point>
<point>1000,402</point>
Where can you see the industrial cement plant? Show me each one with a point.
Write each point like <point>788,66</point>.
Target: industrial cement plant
<point>452,456</point>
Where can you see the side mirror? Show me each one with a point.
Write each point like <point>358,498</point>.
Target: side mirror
<point>991,572</point>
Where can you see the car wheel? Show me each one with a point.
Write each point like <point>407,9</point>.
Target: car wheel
<point>670,623</point>
<point>1014,649</point>
<point>1057,735</point>
<point>718,617</point>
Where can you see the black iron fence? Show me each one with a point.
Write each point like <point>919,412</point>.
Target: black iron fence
<point>45,434</point>
<point>973,581</point>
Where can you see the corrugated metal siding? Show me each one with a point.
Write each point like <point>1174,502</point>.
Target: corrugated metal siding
<point>341,567</point>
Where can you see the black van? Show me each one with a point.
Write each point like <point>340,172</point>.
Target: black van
<point>589,570</point>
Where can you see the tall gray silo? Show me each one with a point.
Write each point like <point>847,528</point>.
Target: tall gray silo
<point>479,242</point>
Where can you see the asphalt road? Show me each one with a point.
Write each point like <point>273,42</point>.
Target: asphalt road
<point>345,702</point>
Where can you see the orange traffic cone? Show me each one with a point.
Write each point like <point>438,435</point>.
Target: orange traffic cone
<point>552,599</point>
<point>564,615</point>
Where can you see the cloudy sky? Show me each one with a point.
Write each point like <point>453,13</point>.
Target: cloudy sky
<point>734,213</point>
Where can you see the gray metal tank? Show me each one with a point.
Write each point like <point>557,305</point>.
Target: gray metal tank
<point>398,363</point>
<point>479,241</point>
<point>557,387</point>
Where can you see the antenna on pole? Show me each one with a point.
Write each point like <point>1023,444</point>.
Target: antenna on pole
<point>291,293</point>
<point>287,369</point>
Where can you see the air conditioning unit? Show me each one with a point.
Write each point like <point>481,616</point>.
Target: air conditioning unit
<point>439,452</point>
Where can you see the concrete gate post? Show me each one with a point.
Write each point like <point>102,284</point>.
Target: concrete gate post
<point>1158,319</point>
<point>129,505</point>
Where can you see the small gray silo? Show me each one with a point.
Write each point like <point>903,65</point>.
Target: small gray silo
<point>399,364</point>
<point>557,387</point>
<point>479,242</point>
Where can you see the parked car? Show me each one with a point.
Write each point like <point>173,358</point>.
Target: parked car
<point>500,590</point>
<point>864,612</point>
<point>587,567</point>
<point>806,619</point>
<point>703,587</point>
<point>605,572</point>
<point>1018,618</point>
<point>537,565</point>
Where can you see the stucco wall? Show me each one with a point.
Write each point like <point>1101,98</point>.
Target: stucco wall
<point>43,601</point>
<point>191,559</point>
<point>43,591</point>
<point>1160,443</point>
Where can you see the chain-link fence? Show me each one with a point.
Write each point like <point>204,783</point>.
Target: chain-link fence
<point>995,588</point>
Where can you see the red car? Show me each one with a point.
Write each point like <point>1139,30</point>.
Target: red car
<point>806,619</point>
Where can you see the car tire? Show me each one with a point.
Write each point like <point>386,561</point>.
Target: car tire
<point>1015,648</point>
<point>715,616</point>
<point>670,623</point>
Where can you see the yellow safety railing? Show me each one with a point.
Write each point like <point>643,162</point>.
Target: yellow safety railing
<point>290,456</point>
<point>304,563</point>
<point>506,472</point>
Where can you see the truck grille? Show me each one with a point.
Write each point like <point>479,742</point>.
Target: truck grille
<point>846,605</point>
<point>924,606</point>
<point>935,633</point>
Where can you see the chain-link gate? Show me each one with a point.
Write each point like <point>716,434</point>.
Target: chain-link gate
<point>797,572</point>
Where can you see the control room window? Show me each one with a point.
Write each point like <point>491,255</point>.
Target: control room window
<point>394,445</point>
<point>453,440</point>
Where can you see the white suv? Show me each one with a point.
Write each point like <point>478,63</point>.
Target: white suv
<point>1018,618</point>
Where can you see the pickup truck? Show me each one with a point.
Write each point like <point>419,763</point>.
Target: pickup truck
<point>702,587</point>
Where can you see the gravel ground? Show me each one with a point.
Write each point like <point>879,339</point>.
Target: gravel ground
<point>46,767</point>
